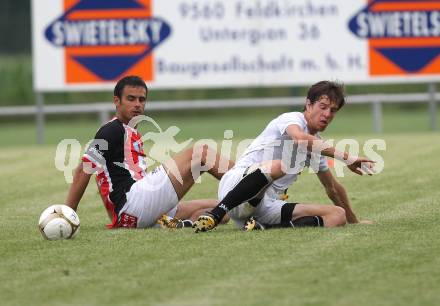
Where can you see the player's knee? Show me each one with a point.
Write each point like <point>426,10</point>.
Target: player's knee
<point>339,215</point>
<point>201,151</point>
<point>277,169</point>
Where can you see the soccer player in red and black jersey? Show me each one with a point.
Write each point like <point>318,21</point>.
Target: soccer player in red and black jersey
<point>133,197</point>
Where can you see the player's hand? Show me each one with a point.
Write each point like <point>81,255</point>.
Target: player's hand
<point>362,165</point>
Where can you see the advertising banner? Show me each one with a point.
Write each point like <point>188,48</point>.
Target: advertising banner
<point>88,44</point>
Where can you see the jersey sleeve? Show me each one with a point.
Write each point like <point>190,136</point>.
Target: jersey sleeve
<point>100,148</point>
<point>288,119</point>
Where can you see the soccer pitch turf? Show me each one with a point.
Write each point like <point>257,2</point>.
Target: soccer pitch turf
<point>393,262</point>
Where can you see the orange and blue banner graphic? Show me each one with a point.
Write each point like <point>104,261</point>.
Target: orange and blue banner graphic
<point>403,36</point>
<point>104,40</point>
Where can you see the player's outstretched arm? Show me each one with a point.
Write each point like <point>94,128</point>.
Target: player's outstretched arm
<point>358,165</point>
<point>78,186</point>
<point>315,144</point>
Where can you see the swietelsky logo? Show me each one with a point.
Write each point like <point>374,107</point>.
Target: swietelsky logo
<point>403,36</point>
<point>106,39</point>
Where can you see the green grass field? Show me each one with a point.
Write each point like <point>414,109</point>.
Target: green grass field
<point>393,262</point>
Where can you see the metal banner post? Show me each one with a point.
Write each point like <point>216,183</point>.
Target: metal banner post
<point>39,117</point>
<point>432,106</point>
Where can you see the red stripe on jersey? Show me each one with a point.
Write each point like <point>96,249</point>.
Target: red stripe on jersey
<point>88,165</point>
<point>134,154</point>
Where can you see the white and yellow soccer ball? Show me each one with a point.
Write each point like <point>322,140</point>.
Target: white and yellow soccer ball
<point>59,222</point>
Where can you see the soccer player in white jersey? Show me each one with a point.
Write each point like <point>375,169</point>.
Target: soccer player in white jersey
<point>252,192</point>
<point>133,197</point>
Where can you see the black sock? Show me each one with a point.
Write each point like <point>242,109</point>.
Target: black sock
<point>245,190</point>
<point>307,221</point>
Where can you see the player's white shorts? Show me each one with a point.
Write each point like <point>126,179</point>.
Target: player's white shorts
<point>267,212</point>
<point>150,198</point>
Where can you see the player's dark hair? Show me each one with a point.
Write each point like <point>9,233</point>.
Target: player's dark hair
<point>131,80</point>
<point>333,90</point>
